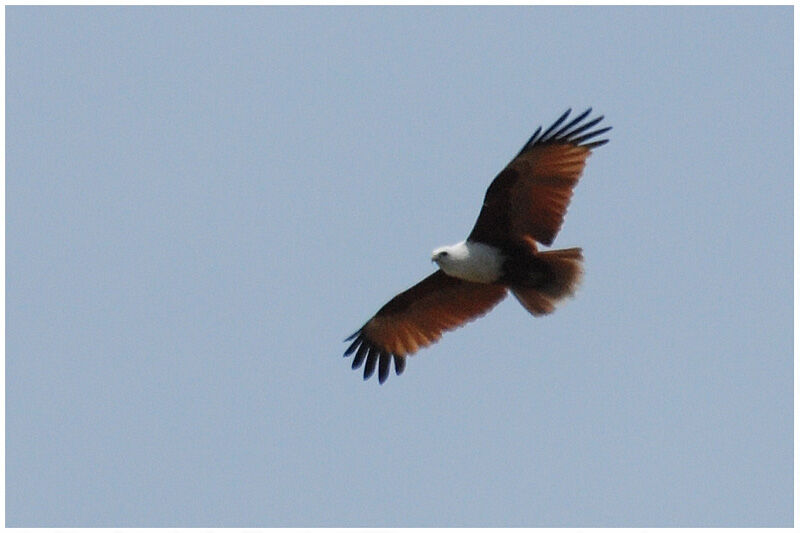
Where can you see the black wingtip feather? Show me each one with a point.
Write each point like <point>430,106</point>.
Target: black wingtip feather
<point>570,136</point>
<point>360,355</point>
<point>532,140</point>
<point>383,367</point>
<point>589,135</point>
<point>399,364</point>
<point>535,135</point>
<point>352,347</point>
<point>372,359</point>
<point>560,133</point>
<point>592,146</point>
<point>556,124</point>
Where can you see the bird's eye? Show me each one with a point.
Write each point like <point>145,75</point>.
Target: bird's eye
<point>443,254</point>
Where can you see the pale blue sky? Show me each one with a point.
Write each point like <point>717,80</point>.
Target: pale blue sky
<point>203,202</point>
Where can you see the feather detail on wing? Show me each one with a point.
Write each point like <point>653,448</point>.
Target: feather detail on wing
<point>530,196</point>
<point>416,318</point>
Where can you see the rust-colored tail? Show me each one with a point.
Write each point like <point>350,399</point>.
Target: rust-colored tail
<point>563,273</point>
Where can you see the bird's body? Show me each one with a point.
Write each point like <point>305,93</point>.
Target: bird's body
<point>524,204</point>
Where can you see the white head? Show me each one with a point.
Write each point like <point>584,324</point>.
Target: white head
<point>446,256</point>
<point>472,261</point>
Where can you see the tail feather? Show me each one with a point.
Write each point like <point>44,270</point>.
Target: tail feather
<point>563,274</point>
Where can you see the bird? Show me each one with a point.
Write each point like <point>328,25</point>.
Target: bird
<point>524,205</point>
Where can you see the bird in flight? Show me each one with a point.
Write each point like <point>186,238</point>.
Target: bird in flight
<point>524,204</point>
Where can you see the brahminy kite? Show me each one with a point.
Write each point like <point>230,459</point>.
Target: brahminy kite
<point>524,204</point>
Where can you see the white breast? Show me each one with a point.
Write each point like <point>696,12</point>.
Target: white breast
<point>471,261</point>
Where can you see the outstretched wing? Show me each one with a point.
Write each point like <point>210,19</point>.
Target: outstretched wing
<point>418,317</point>
<point>530,196</point>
